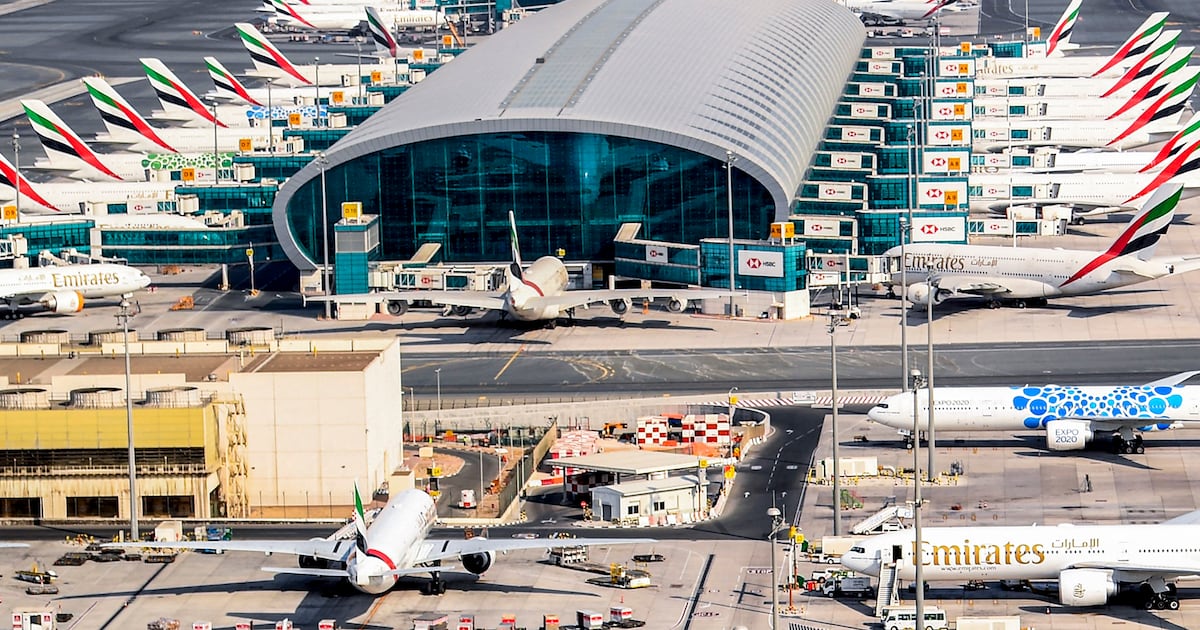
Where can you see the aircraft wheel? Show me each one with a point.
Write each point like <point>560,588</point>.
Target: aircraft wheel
<point>552,324</point>
<point>1172,604</point>
<point>1139,449</point>
<point>1148,604</point>
<point>1020,304</point>
<point>993,304</point>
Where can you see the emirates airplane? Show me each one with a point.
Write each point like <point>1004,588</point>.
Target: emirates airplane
<point>396,544</point>
<point>1072,417</point>
<point>1019,276</point>
<point>1090,562</point>
<point>64,288</point>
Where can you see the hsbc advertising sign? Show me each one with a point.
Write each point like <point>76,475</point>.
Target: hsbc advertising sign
<point>845,160</point>
<point>948,135</point>
<point>941,193</point>
<point>939,229</point>
<point>943,162</point>
<point>835,191</point>
<point>759,263</point>
<point>944,88</point>
<point>656,254</point>
<point>822,227</point>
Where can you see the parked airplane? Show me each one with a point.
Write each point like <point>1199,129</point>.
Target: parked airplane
<point>1052,160</point>
<point>73,197</point>
<point>271,64</point>
<point>282,100</point>
<point>349,17</point>
<point>67,153</point>
<point>1072,417</point>
<point>63,289</point>
<point>396,544</point>
<point>940,271</point>
<point>127,127</point>
<point>895,11</point>
<point>182,105</point>
<point>995,135</point>
<point>1090,562</point>
<point>1115,65</point>
<point>534,293</point>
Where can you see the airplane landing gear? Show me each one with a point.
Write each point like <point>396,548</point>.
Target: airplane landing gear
<point>1122,446</point>
<point>1160,601</point>
<point>436,586</point>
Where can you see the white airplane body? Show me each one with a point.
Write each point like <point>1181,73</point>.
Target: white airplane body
<point>396,544</point>
<point>939,271</point>
<point>348,17</point>
<point>896,10</point>
<point>536,293</point>
<point>63,289</point>
<point>1071,417</point>
<point>1053,160</point>
<point>1097,192</point>
<point>1090,562</point>
<point>996,135</point>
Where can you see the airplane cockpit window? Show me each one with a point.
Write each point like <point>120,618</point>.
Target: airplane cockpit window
<point>858,550</point>
<point>882,405</point>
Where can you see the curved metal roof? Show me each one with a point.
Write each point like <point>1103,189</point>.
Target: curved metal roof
<point>756,77</point>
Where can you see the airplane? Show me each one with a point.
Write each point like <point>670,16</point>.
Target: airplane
<point>1054,66</point>
<point>1072,417</point>
<point>895,11</point>
<point>534,293</point>
<point>1078,87</point>
<point>73,197</point>
<point>270,63</point>
<point>1090,562</point>
<point>1067,107</point>
<point>1021,276</point>
<point>127,127</point>
<point>1052,160</point>
<point>396,544</point>
<point>67,153</point>
<point>281,100</point>
<point>349,17</point>
<point>1088,194</point>
<point>182,105</point>
<point>64,288</point>
<point>996,135</point>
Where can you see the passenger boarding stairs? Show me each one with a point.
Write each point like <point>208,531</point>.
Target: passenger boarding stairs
<point>876,520</point>
<point>887,595</point>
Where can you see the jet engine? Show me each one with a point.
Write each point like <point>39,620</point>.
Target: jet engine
<point>920,294</point>
<point>461,311</point>
<point>676,305</point>
<point>477,563</point>
<point>1068,435</point>
<point>63,302</point>
<point>620,307</point>
<point>1086,587</point>
<point>397,307</point>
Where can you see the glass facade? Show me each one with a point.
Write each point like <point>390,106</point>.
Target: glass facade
<point>569,191</point>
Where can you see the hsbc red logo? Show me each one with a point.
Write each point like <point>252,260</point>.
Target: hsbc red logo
<point>937,161</point>
<point>816,227</point>
<point>942,135</point>
<point>842,160</point>
<point>947,90</point>
<point>934,193</point>
<point>654,253</point>
<point>831,191</point>
<point>946,111</point>
<point>929,229</point>
<point>754,263</point>
<point>996,226</point>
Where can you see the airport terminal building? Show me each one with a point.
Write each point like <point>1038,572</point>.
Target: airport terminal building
<point>585,116</point>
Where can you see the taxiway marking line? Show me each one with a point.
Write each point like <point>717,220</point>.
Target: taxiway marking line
<point>509,362</point>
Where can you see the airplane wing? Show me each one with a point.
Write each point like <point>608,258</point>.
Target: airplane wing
<point>1191,518</point>
<point>434,550</point>
<point>1160,570</point>
<point>584,298</point>
<point>319,548</point>
<point>1173,380</point>
<point>473,299</point>
<point>972,285</point>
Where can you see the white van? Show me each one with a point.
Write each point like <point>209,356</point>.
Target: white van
<point>905,618</point>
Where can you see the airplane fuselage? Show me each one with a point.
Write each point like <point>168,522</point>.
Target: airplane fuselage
<point>992,135</point>
<point>546,277</point>
<point>997,191</point>
<point>1031,407</point>
<point>1027,553</point>
<point>1027,272</point>
<point>396,536</point>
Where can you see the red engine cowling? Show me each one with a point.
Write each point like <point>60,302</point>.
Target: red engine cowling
<point>63,302</point>
<point>477,563</point>
<point>1086,587</point>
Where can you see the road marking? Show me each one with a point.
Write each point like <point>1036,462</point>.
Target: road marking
<point>509,362</point>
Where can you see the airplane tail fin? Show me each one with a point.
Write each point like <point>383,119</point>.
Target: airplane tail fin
<point>292,14</point>
<point>1060,37</point>
<point>1190,134</point>
<point>1149,62</point>
<point>360,521</point>
<point>119,116</point>
<point>1186,160</point>
<point>1137,43</point>
<point>1165,79</point>
<point>266,57</point>
<point>11,178</point>
<point>1169,104</point>
<point>384,42</point>
<point>172,92</point>
<point>1141,236</point>
<point>227,84</point>
<point>63,146</point>
<point>517,266</point>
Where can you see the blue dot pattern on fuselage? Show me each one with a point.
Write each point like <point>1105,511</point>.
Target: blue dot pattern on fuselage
<point>1052,402</point>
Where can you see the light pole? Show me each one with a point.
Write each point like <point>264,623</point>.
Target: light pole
<point>730,158</point>
<point>250,260</point>
<point>835,320</point>
<point>322,162</point>
<point>930,469</point>
<point>480,498</point>
<point>358,47</point>
<point>17,170</point>
<point>216,159</point>
<point>918,550</point>
<point>776,525</point>
<point>438,419</point>
<point>270,121</point>
<point>317,91</point>
<point>123,316</point>
<point>731,402</point>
